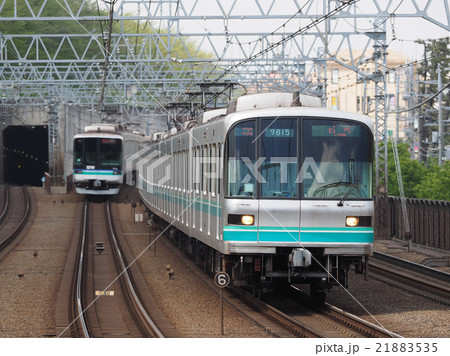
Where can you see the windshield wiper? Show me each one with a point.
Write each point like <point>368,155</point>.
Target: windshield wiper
<point>341,203</point>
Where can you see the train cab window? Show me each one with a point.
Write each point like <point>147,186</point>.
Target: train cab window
<point>78,160</point>
<point>279,151</point>
<point>90,151</point>
<point>337,160</point>
<point>110,152</point>
<point>241,160</point>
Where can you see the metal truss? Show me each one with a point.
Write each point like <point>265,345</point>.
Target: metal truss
<point>159,48</point>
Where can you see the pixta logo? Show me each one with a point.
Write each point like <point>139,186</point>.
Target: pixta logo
<point>147,168</point>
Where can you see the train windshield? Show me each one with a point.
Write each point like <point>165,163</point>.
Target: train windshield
<point>98,152</point>
<point>110,152</point>
<point>339,157</point>
<point>288,158</point>
<point>279,149</point>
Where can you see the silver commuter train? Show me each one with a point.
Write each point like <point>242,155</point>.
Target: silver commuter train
<point>99,158</point>
<point>273,194</point>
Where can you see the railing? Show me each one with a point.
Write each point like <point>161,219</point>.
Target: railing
<point>429,221</point>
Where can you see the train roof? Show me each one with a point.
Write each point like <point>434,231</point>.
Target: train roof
<point>284,104</point>
<point>103,128</point>
<point>99,135</point>
<point>110,130</point>
<point>268,105</point>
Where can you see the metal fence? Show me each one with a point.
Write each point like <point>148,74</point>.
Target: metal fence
<point>429,221</point>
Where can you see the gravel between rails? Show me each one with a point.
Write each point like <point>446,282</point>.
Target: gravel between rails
<point>28,303</point>
<point>191,307</point>
<point>396,310</point>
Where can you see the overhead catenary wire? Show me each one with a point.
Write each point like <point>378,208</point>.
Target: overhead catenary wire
<point>287,38</point>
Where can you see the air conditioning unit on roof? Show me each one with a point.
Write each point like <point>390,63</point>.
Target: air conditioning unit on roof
<point>100,128</point>
<point>271,100</point>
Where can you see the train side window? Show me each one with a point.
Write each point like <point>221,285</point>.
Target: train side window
<point>219,169</point>
<point>213,169</point>
<point>196,171</point>
<point>241,156</point>
<point>175,170</point>
<point>186,157</point>
<point>204,166</point>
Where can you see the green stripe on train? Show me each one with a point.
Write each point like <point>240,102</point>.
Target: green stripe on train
<point>291,234</point>
<point>99,173</point>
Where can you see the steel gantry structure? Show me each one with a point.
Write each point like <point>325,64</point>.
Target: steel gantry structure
<point>154,53</point>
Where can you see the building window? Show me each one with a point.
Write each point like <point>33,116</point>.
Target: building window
<point>335,76</point>
<point>358,103</point>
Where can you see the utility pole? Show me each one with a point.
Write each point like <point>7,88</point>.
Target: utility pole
<point>107,54</point>
<point>381,143</point>
<point>397,105</point>
<point>440,123</point>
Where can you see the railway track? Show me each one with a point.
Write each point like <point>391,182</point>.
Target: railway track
<point>106,299</point>
<point>303,318</point>
<point>284,316</point>
<point>14,215</point>
<point>412,277</point>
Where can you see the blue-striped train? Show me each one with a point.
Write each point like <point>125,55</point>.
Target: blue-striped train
<point>99,156</point>
<point>273,189</point>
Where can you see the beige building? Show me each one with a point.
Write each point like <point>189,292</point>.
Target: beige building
<point>349,91</point>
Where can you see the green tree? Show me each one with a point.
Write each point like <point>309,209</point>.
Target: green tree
<point>31,49</point>
<point>435,184</point>
<point>412,171</point>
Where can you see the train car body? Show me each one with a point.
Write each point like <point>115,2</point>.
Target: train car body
<point>99,157</point>
<point>269,192</point>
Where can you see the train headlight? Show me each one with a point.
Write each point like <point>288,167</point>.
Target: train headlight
<point>351,221</point>
<point>247,219</point>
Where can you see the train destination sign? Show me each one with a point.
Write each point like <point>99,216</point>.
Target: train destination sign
<point>335,131</point>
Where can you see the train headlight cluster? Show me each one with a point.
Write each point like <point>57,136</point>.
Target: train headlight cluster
<point>247,219</point>
<point>351,221</point>
<point>238,219</point>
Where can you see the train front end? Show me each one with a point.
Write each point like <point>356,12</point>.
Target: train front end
<point>298,205</point>
<point>97,163</point>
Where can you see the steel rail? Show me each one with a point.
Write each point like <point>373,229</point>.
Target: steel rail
<point>15,232</point>
<point>129,284</point>
<point>411,266</point>
<point>80,275</point>
<point>421,280</point>
<point>6,205</point>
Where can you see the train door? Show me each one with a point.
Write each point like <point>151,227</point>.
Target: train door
<point>279,204</point>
